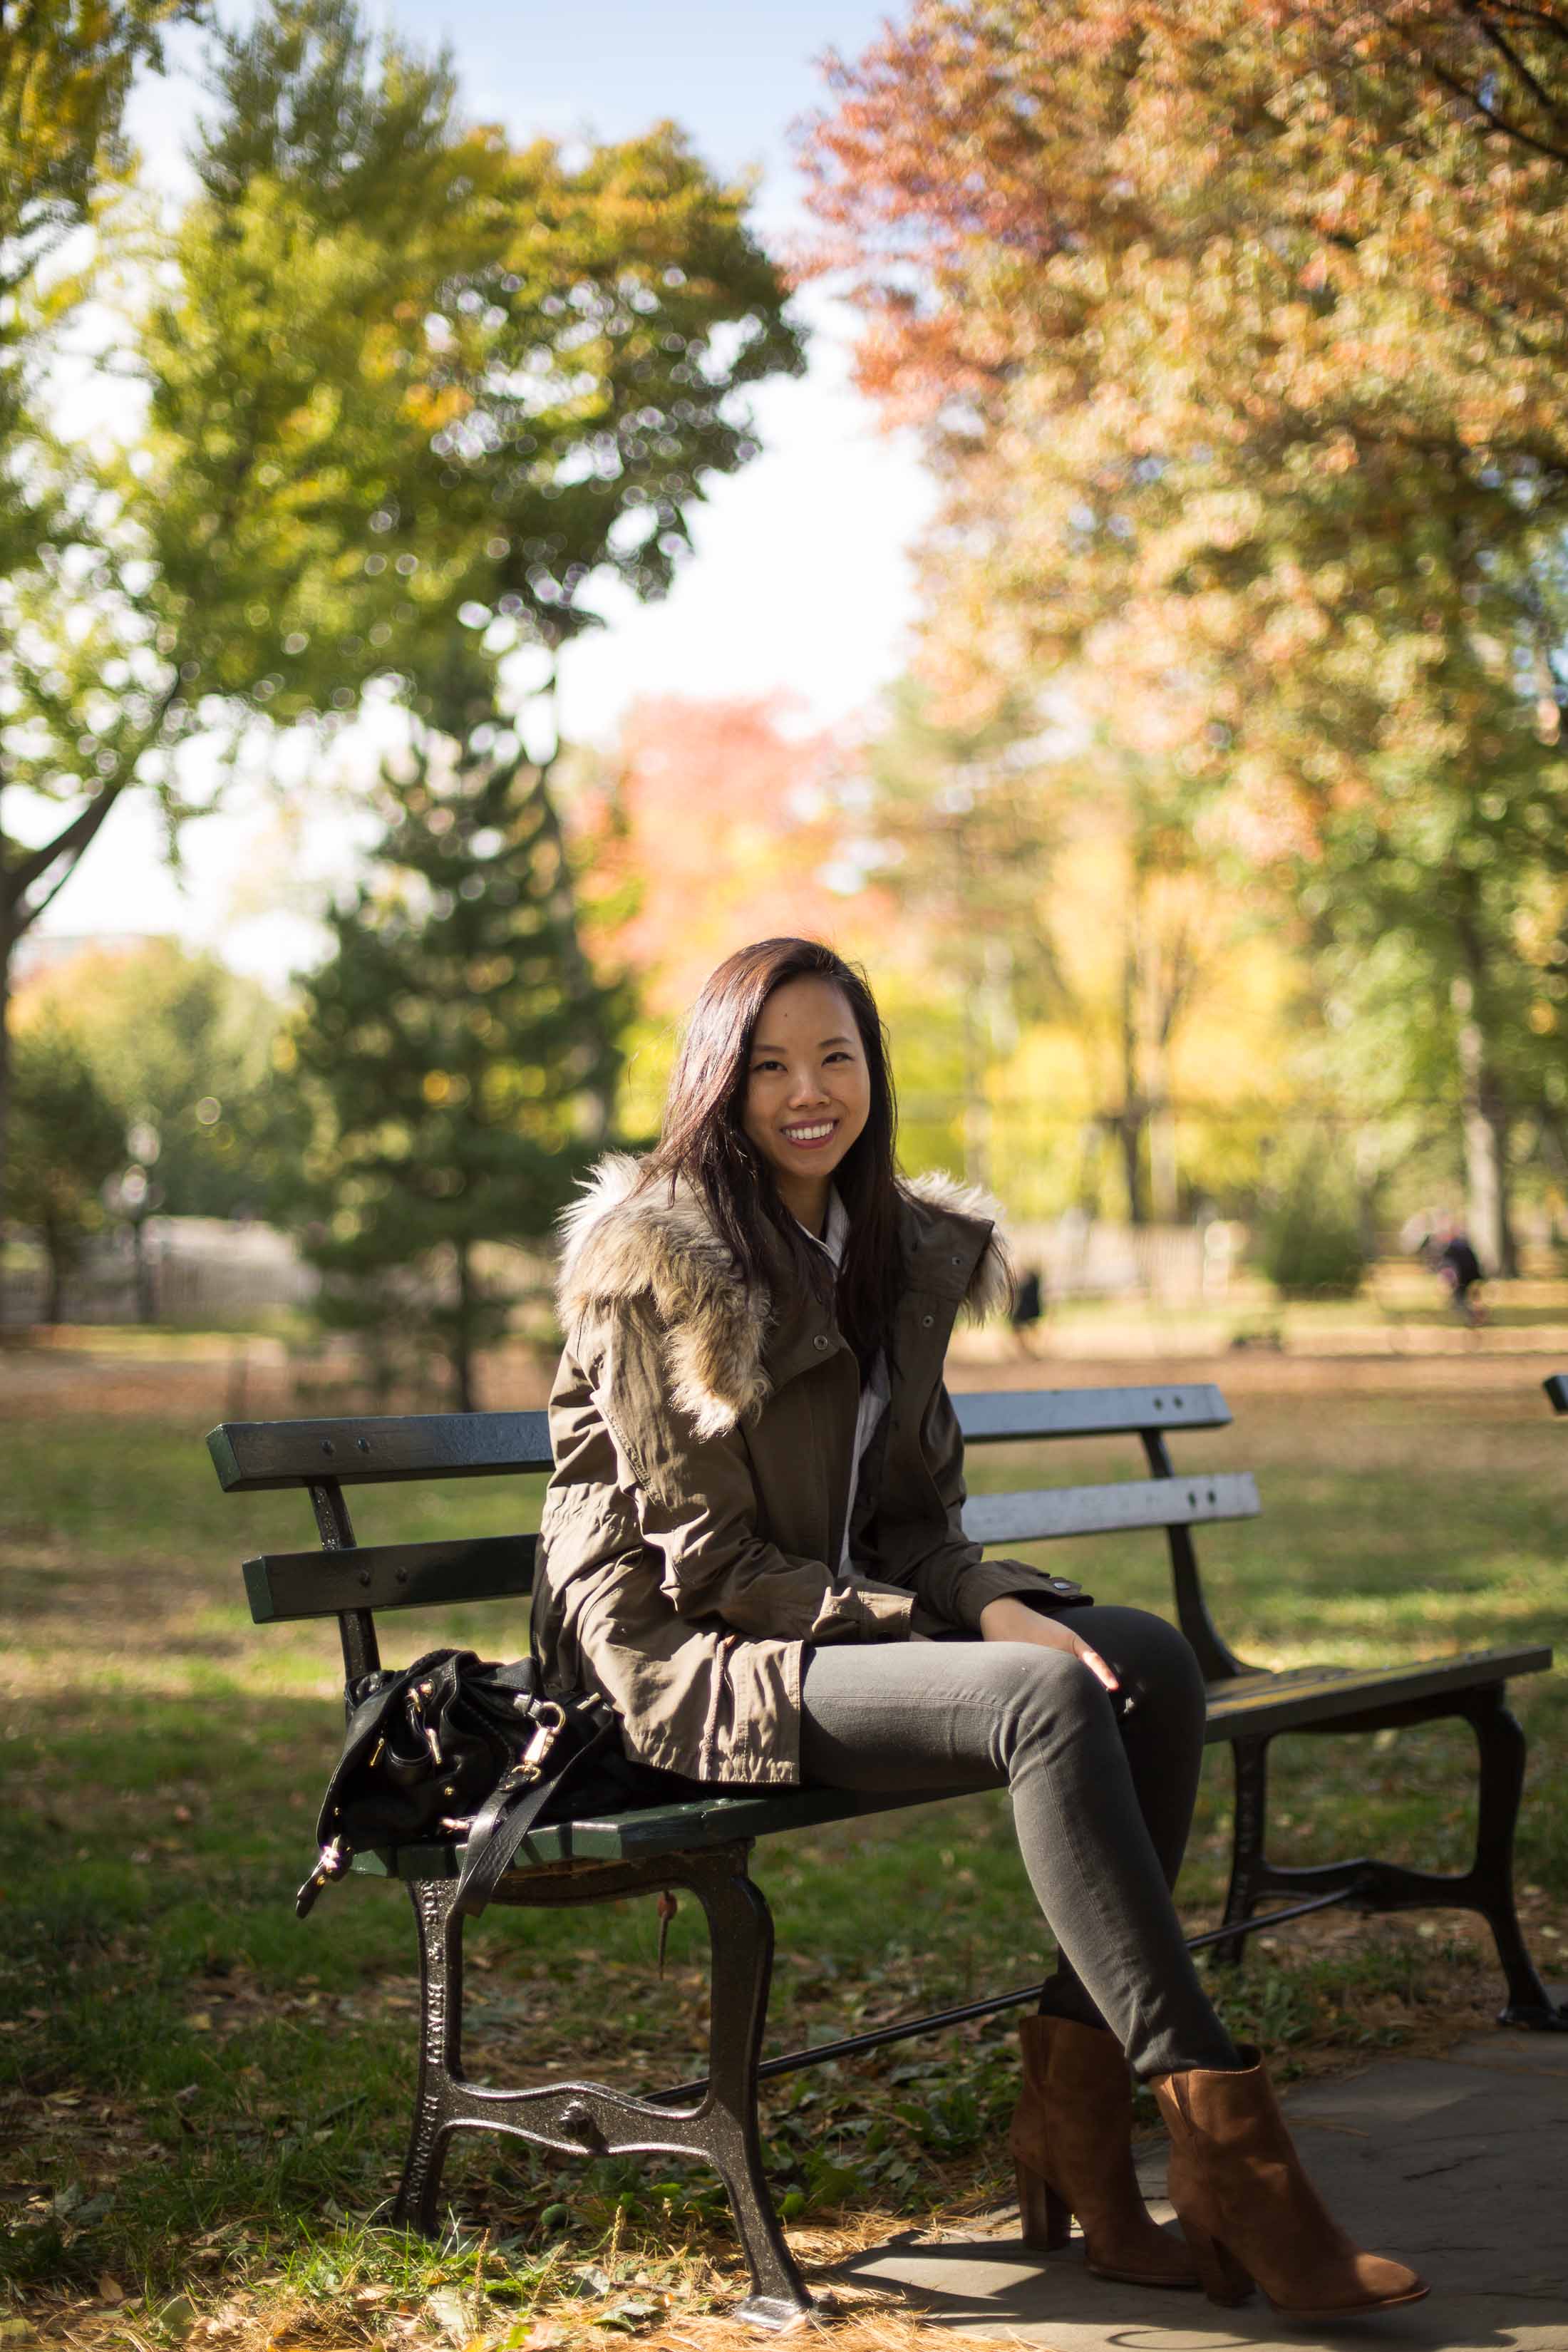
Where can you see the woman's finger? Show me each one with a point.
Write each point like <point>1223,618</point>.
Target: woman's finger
<point>1097,1665</point>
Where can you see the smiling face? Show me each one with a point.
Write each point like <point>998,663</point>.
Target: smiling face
<point>808,1092</point>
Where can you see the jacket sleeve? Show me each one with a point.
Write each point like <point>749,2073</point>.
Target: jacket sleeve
<point>695,1504</point>
<point>935,1561</point>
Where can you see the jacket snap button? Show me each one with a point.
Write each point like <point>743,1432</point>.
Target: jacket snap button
<point>820,1344</point>
<point>957,1261</point>
<point>926,1322</point>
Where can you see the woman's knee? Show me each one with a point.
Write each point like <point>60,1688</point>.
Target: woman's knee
<point>1051,1695</point>
<point>1154,1659</point>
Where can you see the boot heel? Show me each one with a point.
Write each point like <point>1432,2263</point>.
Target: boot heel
<point>1223,2278</point>
<point>1047,2221</point>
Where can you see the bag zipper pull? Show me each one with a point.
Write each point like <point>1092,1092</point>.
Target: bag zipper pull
<point>331,1863</point>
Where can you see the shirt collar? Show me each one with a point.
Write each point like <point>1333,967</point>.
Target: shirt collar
<point>837,1233</point>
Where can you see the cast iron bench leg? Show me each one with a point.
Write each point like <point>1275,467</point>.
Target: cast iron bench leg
<point>1501,1742</point>
<point>723,2129</point>
<point>741,1932</point>
<point>1372,1886</point>
<point>1248,1865</point>
<point>441,2051</point>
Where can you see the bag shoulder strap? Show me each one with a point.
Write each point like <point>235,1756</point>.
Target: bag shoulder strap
<point>514,1805</point>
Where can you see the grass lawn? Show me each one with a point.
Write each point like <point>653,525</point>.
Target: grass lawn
<point>205,2101</point>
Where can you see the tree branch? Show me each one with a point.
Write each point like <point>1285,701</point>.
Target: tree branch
<point>73,840</point>
<point>1488,32</point>
<point>1489,114</point>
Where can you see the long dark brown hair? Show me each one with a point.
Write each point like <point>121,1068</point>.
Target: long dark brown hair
<point>704,1142</point>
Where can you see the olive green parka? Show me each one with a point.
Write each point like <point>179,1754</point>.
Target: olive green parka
<point>702,1433</point>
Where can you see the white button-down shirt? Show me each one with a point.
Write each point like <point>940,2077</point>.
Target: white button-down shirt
<point>875,1392</point>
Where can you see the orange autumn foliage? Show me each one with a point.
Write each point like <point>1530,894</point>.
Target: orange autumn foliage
<point>719,821</point>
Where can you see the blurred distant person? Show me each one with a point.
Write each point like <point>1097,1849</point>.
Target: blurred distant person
<point>1028,1307</point>
<point>1452,1258</point>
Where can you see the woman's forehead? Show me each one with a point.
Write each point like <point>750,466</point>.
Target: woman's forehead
<point>807,1011</point>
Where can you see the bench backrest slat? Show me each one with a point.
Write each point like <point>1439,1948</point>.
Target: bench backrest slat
<point>324,1456</point>
<point>989,1417</point>
<point>281,1586</point>
<point>251,1456</point>
<point>1045,1513</point>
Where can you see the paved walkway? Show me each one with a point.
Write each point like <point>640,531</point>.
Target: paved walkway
<point>1460,2164</point>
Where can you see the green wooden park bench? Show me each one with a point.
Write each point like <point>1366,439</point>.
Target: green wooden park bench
<point>704,1845</point>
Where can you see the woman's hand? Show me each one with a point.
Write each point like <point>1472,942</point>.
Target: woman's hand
<point>1011,1620</point>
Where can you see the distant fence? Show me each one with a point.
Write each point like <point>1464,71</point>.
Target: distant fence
<point>198,1270</point>
<point>1080,1257</point>
<point>204,1270</point>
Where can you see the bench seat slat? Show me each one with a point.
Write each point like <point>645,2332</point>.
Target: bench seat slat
<point>1048,1512</point>
<point>1294,1699</point>
<point>991,1416</point>
<point>1302,1697</point>
<point>282,1586</point>
<point>253,1456</point>
<point>663,1829</point>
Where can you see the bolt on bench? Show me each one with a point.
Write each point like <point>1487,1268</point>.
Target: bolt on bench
<point>703,1846</point>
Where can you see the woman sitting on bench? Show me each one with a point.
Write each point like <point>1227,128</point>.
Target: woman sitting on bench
<point>753,1547</point>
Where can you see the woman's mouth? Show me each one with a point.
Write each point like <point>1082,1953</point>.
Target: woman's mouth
<point>813,1137</point>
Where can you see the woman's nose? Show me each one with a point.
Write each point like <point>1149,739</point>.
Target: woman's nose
<point>808,1087</point>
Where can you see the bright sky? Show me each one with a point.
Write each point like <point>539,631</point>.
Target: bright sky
<point>800,582</point>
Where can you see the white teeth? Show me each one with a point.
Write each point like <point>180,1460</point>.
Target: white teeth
<point>808,1134</point>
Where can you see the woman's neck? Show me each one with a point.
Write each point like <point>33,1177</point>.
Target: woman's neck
<point>806,1198</point>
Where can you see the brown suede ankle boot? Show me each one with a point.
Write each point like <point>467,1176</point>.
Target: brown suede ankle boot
<point>1249,2211</point>
<point>1071,2139</point>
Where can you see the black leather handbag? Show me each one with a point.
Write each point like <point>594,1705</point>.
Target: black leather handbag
<point>456,1749</point>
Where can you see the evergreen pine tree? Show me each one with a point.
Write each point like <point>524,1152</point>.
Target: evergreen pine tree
<point>460,1051</point>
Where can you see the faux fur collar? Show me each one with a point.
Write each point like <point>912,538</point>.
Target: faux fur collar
<point>614,1246</point>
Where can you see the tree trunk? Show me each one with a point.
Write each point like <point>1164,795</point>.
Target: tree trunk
<point>580,978</point>
<point>1133,1116</point>
<point>976,1109</point>
<point>146,1293</point>
<point>1486,1130</point>
<point>1368,1177</point>
<point>464,1396</point>
<point>57,1249</point>
<point>7,943</point>
<point>1130,1122</point>
<point>1164,1185</point>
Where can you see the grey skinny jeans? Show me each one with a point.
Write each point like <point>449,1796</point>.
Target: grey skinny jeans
<point>1101,1802</point>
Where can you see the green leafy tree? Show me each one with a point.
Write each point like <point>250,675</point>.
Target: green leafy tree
<point>68,1141</point>
<point>458,1051</point>
<point>187,1048</point>
<point>66,70</point>
<point>408,386</point>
